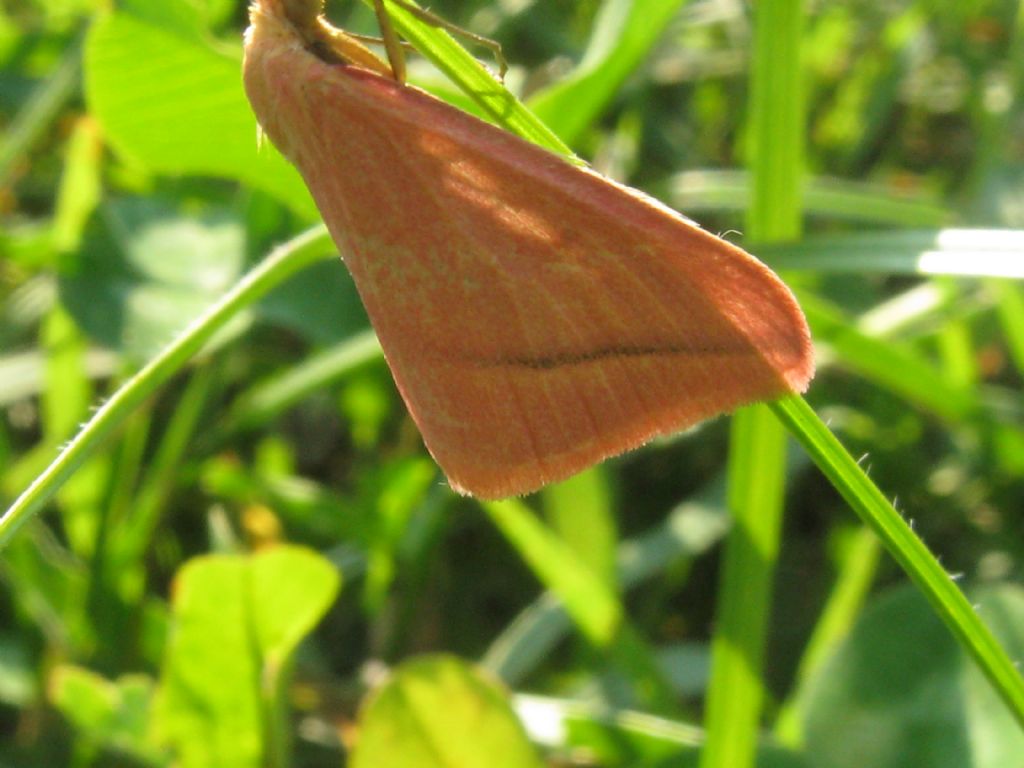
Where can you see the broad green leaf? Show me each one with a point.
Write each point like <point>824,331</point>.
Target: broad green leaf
<point>190,16</point>
<point>179,16</point>
<point>900,692</point>
<point>174,104</point>
<point>289,590</point>
<point>148,267</point>
<point>438,712</point>
<point>236,621</point>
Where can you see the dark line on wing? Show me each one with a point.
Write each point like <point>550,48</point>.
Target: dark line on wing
<point>568,359</point>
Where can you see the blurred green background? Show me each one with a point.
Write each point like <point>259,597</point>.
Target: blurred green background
<point>227,581</point>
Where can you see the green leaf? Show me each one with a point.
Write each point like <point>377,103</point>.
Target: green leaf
<point>150,271</point>
<point>900,691</point>
<point>109,714</point>
<point>438,712</point>
<point>236,621</point>
<point>172,103</point>
<point>178,16</point>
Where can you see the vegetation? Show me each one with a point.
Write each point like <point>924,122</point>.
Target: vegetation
<point>245,556</point>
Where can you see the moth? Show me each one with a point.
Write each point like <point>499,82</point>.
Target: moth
<point>537,317</point>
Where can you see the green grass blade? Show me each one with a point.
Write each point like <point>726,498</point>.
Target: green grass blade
<point>275,269</point>
<point>593,606</point>
<point>962,252</point>
<point>267,399</point>
<point>757,461</point>
<point>910,552</point>
<point>839,199</point>
<point>472,77</point>
<point>896,368</point>
<point>688,531</point>
<point>162,473</point>
<point>40,111</point>
<point>581,511</point>
<point>624,34</point>
<point>756,484</point>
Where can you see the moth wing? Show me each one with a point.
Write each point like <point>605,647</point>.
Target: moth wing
<point>537,317</point>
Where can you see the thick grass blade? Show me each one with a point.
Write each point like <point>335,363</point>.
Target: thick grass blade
<point>757,457</point>
<point>756,485</point>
